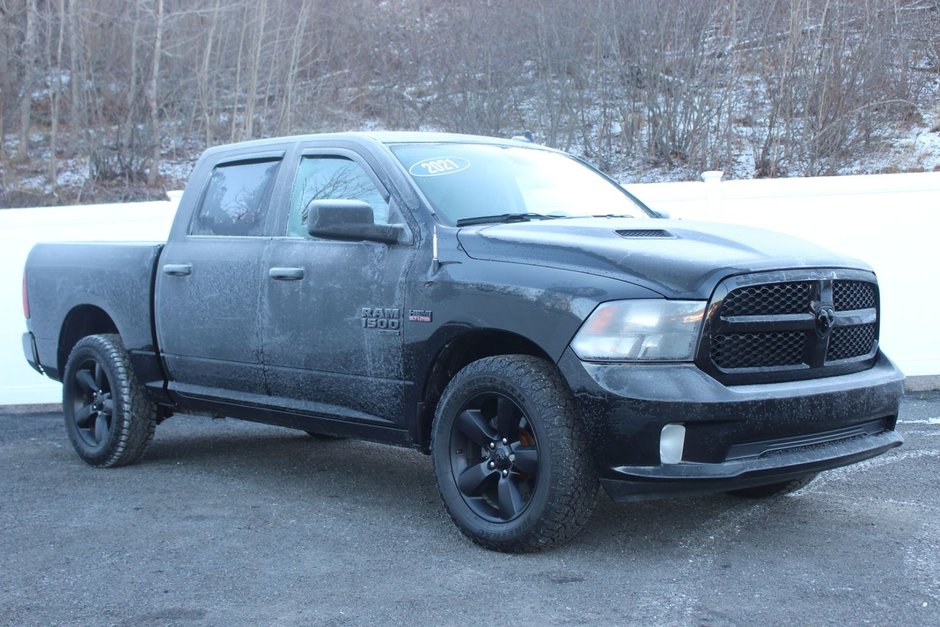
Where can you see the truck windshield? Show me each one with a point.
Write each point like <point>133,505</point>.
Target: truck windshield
<point>466,181</point>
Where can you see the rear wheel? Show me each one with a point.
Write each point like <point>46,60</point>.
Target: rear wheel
<point>109,419</point>
<point>774,489</point>
<point>511,461</point>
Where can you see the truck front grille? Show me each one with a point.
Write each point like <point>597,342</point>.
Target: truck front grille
<point>848,342</point>
<point>769,299</point>
<point>793,325</point>
<point>758,350</point>
<point>851,295</point>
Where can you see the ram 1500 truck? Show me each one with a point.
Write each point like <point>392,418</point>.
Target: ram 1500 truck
<point>499,305</point>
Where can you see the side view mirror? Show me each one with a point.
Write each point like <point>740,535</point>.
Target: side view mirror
<point>350,220</point>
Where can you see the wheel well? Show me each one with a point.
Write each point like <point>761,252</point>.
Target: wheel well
<point>461,351</point>
<point>82,321</point>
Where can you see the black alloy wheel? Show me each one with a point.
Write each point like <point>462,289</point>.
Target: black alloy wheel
<point>494,457</point>
<point>511,458</point>
<point>92,408</point>
<point>108,416</point>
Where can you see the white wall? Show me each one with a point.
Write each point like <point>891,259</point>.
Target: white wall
<point>19,230</point>
<point>890,221</point>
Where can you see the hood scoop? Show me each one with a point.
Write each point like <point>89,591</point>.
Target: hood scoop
<point>643,233</point>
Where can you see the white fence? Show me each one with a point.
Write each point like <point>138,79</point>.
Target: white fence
<point>890,221</point>
<point>19,230</point>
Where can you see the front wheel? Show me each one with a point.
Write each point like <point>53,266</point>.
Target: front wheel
<point>109,419</point>
<point>511,460</point>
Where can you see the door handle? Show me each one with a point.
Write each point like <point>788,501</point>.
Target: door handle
<point>178,269</point>
<point>286,274</point>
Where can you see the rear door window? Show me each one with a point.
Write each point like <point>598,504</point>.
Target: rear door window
<point>236,199</point>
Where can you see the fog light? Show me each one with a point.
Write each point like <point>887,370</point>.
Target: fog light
<point>671,443</point>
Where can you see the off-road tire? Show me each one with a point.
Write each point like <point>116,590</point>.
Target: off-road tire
<point>561,490</point>
<point>118,402</point>
<point>774,489</point>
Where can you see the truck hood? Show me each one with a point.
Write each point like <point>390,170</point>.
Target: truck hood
<point>675,258</point>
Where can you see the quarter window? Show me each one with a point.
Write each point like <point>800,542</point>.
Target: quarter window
<point>235,199</point>
<point>332,178</point>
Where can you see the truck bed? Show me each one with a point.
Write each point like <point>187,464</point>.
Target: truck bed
<point>68,278</point>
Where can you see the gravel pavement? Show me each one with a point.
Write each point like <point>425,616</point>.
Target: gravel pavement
<point>232,523</point>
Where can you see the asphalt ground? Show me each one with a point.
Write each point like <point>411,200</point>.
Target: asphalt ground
<point>232,523</point>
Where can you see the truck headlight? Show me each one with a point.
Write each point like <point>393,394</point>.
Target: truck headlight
<point>641,330</point>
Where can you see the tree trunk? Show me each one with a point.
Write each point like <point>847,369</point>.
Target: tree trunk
<point>152,98</point>
<point>76,75</point>
<point>254,71</point>
<point>5,53</point>
<point>29,71</point>
<point>56,89</point>
<point>127,131</point>
<point>233,131</point>
<point>205,89</point>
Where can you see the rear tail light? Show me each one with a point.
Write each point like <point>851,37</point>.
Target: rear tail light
<point>25,298</point>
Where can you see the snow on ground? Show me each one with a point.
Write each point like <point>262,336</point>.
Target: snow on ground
<point>72,173</point>
<point>177,170</point>
<point>915,149</point>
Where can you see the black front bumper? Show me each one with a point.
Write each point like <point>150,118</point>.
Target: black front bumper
<point>736,436</point>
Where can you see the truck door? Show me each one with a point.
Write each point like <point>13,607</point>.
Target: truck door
<point>209,284</point>
<point>333,309</point>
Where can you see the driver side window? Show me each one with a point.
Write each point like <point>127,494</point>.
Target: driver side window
<point>321,178</point>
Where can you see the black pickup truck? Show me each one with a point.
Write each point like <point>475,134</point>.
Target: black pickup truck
<point>499,305</point>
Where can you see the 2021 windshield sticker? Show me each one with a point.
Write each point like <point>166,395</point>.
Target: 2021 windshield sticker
<point>439,167</point>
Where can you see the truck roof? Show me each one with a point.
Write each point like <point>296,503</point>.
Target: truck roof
<point>381,137</point>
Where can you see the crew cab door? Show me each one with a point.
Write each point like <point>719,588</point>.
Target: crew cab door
<point>209,283</point>
<point>333,309</point>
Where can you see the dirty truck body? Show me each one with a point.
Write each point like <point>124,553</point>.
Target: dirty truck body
<point>497,304</point>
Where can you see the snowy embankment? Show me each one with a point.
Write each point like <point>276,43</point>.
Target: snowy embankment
<point>889,221</point>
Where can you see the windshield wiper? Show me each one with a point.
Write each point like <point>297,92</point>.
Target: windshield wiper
<point>505,217</point>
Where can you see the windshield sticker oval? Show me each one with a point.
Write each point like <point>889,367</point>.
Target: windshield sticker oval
<point>439,167</point>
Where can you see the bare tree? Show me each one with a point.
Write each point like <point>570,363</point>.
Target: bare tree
<point>297,43</point>
<point>153,96</point>
<point>5,79</point>
<point>206,93</point>
<point>55,89</point>
<point>73,24</point>
<point>29,64</point>
<point>254,69</point>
